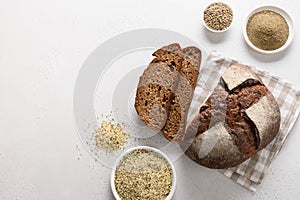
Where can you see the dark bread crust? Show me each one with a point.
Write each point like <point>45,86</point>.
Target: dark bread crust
<point>241,129</point>
<point>164,52</point>
<point>247,111</point>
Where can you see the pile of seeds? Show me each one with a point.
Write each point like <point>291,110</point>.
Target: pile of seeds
<point>218,16</point>
<point>110,136</point>
<point>267,30</point>
<point>143,174</point>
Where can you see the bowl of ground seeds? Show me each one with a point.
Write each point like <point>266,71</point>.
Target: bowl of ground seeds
<point>268,30</point>
<point>217,17</point>
<point>143,173</point>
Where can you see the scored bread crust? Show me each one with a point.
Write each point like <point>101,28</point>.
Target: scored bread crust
<point>267,122</point>
<point>252,120</point>
<point>213,146</point>
<point>176,71</point>
<point>236,74</point>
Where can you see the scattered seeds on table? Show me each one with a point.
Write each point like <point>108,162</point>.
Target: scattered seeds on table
<point>110,136</point>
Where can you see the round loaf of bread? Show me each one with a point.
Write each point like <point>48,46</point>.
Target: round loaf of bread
<point>239,118</point>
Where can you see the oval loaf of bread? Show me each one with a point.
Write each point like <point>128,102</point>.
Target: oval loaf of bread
<point>238,119</point>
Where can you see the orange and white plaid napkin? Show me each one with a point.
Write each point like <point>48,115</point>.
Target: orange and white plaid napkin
<point>251,172</point>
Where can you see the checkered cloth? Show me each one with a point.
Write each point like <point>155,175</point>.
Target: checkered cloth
<point>251,172</point>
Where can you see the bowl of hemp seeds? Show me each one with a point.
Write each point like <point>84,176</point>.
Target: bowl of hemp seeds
<point>143,172</point>
<point>268,30</point>
<point>217,17</point>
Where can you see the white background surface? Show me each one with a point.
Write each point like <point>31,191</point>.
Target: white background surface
<point>42,47</point>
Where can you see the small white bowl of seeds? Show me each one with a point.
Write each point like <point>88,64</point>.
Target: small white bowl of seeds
<point>217,17</point>
<point>143,172</point>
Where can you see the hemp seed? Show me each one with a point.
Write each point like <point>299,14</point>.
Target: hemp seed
<point>143,174</point>
<point>110,136</point>
<point>218,16</point>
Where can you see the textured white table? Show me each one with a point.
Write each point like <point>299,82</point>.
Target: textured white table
<point>42,47</point>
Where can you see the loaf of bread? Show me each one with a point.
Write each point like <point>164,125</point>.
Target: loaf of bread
<point>238,119</point>
<point>166,88</point>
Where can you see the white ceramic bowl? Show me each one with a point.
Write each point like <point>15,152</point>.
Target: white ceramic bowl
<point>288,19</point>
<point>210,29</point>
<point>112,180</point>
